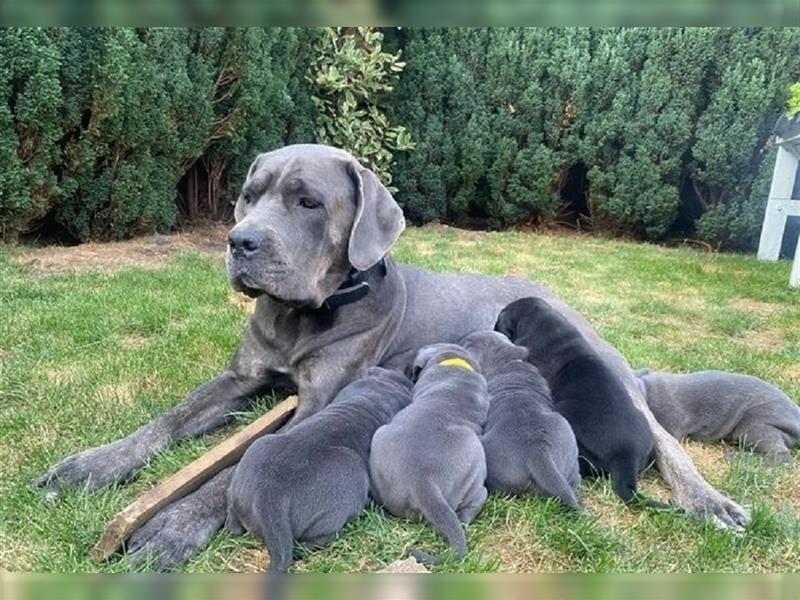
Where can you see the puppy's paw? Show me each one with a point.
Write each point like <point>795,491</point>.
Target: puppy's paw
<point>423,557</point>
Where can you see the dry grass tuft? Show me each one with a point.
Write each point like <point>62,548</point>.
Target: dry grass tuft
<point>149,252</point>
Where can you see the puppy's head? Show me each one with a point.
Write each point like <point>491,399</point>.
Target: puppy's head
<point>492,349</point>
<point>388,376</point>
<point>434,354</point>
<point>306,215</point>
<point>515,314</point>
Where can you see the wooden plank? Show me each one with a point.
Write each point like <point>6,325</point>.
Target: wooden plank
<point>188,479</point>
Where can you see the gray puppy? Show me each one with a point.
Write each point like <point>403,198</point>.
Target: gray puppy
<point>715,405</point>
<point>305,484</point>
<point>529,446</point>
<point>429,461</point>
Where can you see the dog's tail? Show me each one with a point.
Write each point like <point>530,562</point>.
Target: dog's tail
<point>277,534</point>
<point>552,482</point>
<point>445,521</point>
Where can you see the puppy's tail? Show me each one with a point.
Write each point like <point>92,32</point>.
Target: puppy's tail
<point>624,480</point>
<point>552,482</point>
<point>232,523</point>
<point>277,536</point>
<point>445,521</point>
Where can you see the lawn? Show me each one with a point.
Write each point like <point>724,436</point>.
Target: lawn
<point>89,355</point>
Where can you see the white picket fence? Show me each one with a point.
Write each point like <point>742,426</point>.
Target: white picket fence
<point>781,205</point>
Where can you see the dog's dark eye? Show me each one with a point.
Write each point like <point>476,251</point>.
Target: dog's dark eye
<point>307,202</point>
<point>247,197</point>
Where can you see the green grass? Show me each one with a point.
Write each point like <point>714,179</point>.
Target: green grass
<point>88,357</point>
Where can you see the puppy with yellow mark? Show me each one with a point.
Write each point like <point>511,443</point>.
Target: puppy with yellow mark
<point>428,462</point>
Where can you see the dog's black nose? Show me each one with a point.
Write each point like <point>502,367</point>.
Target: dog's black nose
<point>245,241</point>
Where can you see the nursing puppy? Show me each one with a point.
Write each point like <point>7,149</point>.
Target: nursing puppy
<point>613,436</point>
<point>529,447</point>
<point>305,484</point>
<point>715,405</point>
<point>429,462</point>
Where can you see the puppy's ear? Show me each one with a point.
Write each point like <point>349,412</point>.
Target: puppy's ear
<point>420,361</point>
<point>506,325</point>
<point>518,352</point>
<point>378,219</point>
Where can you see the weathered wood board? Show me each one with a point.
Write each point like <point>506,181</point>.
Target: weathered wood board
<point>188,479</point>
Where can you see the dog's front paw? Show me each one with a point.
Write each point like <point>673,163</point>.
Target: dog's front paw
<point>93,469</point>
<point>182,529</point>
<point>704,502</point>
<point>174,535</point>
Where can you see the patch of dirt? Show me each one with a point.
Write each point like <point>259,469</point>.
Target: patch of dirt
<point>409,565</point>
<point>789,486</point>
<point>63,374</point>
<point>515,550</point>
<point>763,339</point>
<point>12,555</point>
<point>249,560</point>
<point>792,373</point>
<point>149,251</point>
<point>119,393</point>
<point>244,303</point>
<point>709,458</point>
<point>130,342</point>
<point>757,307</point>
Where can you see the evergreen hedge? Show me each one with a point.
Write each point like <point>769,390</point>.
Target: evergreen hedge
<point>648,132</point>
<point>670,126</point>
<point>109,132</point>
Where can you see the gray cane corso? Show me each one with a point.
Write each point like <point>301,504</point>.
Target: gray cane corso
<point>529,446</point>
<point>715,405</point>
<point>612,435</point>
<point>311,242</point>
<point>428,462</point>
<point>305,484</point>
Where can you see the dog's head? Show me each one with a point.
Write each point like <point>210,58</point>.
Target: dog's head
<point>435,354</point>
<point>492,349</point>
<point>306,215</point>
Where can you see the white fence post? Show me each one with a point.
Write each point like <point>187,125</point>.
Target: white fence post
<point>794,278</point>
<point>780,191</point>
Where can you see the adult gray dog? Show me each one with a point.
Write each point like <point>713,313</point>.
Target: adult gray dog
<point>428,462</point>
<point>305,484</point>
<point>715,405</point>
<point>529,446</point>
<point>311,241</point>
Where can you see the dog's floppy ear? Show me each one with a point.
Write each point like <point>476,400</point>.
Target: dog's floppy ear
<point>378,220</point>
<point>255,164</point>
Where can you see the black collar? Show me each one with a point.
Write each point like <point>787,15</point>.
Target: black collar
<point>355,287</point>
